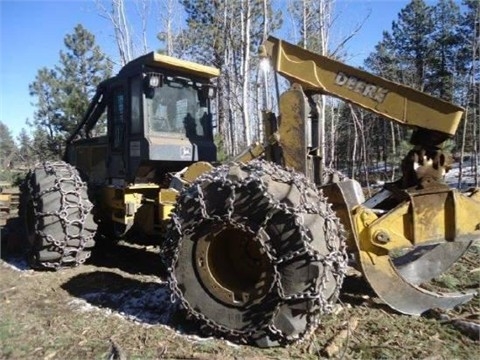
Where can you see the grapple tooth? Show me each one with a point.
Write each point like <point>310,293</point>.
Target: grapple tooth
<point>425,263</point>
<point>400,294</point>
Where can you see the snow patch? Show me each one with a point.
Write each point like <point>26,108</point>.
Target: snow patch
<point>150,305</point>
<point>468,177</point>
<point>17,263</point>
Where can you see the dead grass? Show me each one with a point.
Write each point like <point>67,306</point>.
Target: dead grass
<point>68,315</point>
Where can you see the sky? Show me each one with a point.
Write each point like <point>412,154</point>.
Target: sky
<point>32,33</point>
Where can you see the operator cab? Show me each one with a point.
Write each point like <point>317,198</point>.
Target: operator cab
<point>158,120</point>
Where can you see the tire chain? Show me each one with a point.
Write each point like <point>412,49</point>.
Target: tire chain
<point>68,175</point>
<point>336,260</point>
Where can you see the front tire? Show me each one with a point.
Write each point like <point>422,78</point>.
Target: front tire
<point>255,254</point>
<point>57,214</point>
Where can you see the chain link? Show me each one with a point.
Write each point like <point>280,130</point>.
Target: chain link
<point>255,174</point>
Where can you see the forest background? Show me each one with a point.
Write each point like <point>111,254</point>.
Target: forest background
<point>430,47</point>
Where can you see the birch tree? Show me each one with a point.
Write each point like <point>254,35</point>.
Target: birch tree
<point>114,11</point>
<point>170,24</point>
<point>135,22</point>
<point>228,33</point>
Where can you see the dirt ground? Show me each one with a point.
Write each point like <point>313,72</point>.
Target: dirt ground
<point>118,307</point>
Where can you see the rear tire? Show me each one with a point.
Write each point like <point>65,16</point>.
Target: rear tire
<point>255,254</point>
<point>57,215</point>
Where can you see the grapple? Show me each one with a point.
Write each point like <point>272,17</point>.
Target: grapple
<point>403,238</point>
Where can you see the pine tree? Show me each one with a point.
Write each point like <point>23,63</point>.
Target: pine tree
<point>446,42</point>
<point>8,148</point>
<point>82,67</point>
<point>63,93</point>
<point>25,149</point>
<point>383,61</point>
<point>46,88</point>
<point>412,36</point>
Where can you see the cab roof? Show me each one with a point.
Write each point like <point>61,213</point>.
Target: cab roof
<point>154,59</point>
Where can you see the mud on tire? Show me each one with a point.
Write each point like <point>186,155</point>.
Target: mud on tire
<point>255,254</point>
<point>57,215</point>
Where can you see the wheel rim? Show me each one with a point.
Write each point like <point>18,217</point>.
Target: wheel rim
<point>233,265</point>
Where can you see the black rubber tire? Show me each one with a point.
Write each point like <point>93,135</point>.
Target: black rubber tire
<point>297,226</point>
<point>57,214</point>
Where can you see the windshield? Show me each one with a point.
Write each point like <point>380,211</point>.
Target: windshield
<point>175,108</point>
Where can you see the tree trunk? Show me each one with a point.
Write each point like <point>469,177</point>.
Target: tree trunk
<point>246,68</point>
<point>121,28</point>
<point>394,151</point>
<point>144,11</point>
<point>462,148</point>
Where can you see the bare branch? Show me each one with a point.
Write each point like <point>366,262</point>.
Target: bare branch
<point>351,35</point>
<point>143,10</point>
<point>118,19</point>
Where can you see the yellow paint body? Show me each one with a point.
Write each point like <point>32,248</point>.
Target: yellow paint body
<point>166,200</point>
<point>5,198</point>
<point>146,205</point>
<point>175,64</point>
<point>292,130</point>
<point>124,202</point>
<point>426,218</point>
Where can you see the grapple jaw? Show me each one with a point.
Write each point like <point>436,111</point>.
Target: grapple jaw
<point>405,294</point>
<point>403,246</point>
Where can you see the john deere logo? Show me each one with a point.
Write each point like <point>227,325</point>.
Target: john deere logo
<point>185,152</point>
<point>371,91</point>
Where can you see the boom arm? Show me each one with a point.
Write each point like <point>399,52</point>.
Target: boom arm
<point>418,216</point>
<point>394,101</point>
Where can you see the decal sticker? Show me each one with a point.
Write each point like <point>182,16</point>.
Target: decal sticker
<point>371,91</point>
<point>186,153</point>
